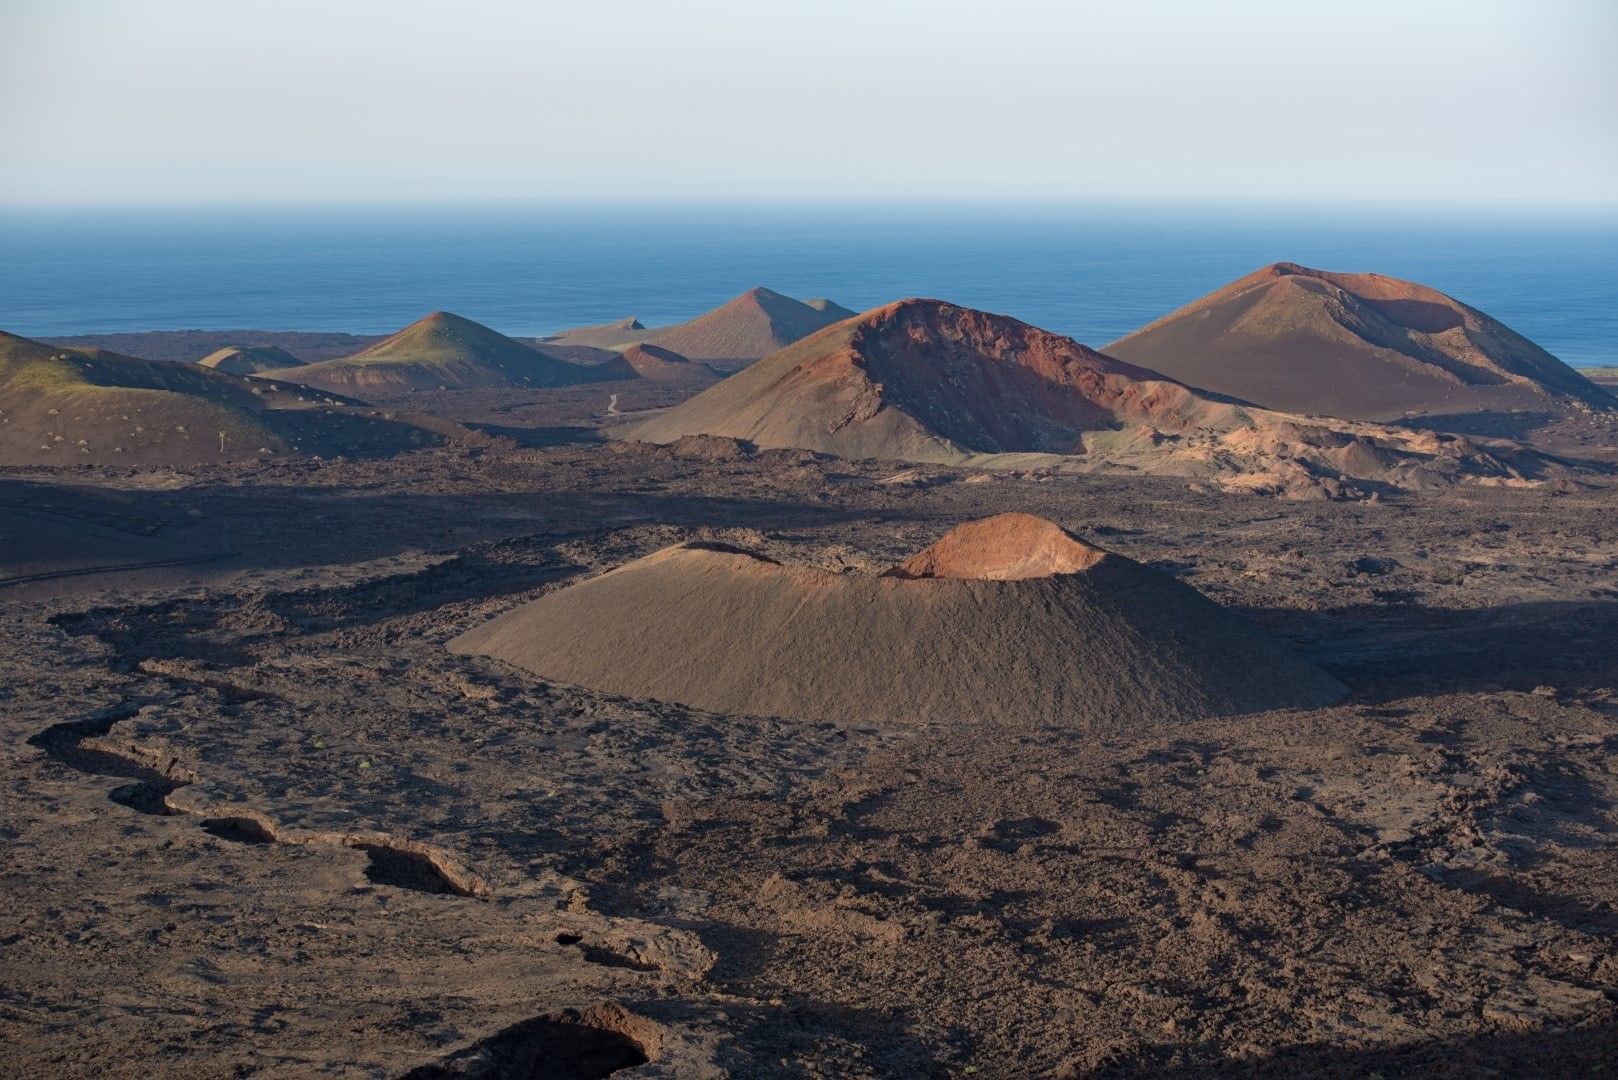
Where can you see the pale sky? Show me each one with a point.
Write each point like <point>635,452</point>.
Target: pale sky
<point>1512,101</point>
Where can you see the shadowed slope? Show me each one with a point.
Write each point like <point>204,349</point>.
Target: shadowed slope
<point>249,359</point>
<point>1010,619</point>
<point>1359,346</point>
<point>441,350</point>
<point>665,365</point>
<point>69,406</point>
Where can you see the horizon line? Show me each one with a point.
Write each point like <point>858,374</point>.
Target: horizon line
<point>467,202</point>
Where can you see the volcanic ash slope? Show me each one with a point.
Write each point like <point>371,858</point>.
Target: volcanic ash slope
<point>249,359</point>
<point>927,381</point>
<point>1010,619</point>
<point>1358,346</point>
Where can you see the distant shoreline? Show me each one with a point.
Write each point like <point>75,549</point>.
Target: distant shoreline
<point>1094,277</point>
<point>312,346</point>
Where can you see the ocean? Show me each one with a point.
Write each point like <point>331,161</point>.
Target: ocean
<point>1093,272</point>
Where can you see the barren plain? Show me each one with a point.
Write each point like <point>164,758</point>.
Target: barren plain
<point>260,821</point>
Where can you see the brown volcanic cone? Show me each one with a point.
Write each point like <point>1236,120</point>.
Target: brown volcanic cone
<point>1010,620</point>
<point>441,350</point>
<point>665,365</point>
<point>61,406</point>
<point>1359,346</point>
<point>924,380</point>
<point>249,359</point>
<point>755,324</point>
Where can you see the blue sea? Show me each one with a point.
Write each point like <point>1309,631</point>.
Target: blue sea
<point>1094,272</point>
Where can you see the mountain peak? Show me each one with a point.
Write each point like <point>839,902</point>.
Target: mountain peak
<point>441,349</point>
<point>442,321</point>
<point>754,324</point>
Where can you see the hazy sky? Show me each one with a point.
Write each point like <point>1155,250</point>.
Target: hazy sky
<point>226,100</point>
